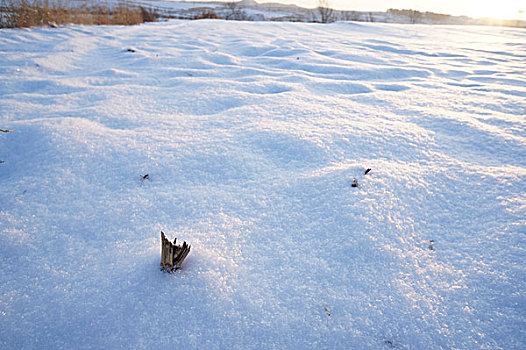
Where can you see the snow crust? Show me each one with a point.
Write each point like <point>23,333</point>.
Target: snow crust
<point>251,134</point>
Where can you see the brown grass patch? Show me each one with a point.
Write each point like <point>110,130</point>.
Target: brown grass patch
<point>206,14</point>
<point>30,13</point>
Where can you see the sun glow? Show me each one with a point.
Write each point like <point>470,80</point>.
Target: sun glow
<point>507,9</point>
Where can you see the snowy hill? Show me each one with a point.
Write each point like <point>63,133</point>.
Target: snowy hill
<point>252,134</point>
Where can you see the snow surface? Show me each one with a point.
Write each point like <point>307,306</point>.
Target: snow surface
<point>251,134</point>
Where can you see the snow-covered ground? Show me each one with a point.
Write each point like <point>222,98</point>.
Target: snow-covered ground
<point>251,134</point>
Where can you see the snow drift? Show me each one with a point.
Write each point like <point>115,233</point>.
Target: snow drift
<point>251,134</point>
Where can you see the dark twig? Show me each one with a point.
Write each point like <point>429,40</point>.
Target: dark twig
<point>327,310</point>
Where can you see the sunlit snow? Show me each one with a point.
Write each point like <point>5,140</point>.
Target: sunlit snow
<point>252,134</point>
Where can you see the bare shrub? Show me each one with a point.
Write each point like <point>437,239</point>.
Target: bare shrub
<point>235,12</point>
<point>207,14</point>
<point>149,15</point>
<point>325,11</point>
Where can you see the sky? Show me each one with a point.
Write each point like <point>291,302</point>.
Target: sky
<point>502,9</point>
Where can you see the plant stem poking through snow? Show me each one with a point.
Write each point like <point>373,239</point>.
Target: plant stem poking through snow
<point>327,310</point>
<point>367,171</point>
<point>145,177</point>
<point>355,182</point>
<point>389,344</point>
<point>172,255</point>
<point>431,245</point>
<point>4,130</point>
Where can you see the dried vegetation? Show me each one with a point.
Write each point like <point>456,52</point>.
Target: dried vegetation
<point>31,13</point>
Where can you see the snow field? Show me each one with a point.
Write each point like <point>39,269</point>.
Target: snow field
<point>251,134</point>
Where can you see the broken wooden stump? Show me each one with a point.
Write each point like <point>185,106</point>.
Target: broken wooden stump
<point>172,255</point>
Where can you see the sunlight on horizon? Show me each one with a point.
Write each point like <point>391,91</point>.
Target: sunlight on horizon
<point>498,10</point>
<point>503,9</point>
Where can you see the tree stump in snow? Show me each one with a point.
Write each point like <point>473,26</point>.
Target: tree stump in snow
<point>172,255</point>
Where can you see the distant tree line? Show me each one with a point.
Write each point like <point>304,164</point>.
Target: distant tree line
<point>415,16</point>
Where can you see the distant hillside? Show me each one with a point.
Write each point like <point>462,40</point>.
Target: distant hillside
<point>251,10</point>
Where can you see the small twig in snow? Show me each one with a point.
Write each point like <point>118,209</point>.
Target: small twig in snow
<point>327,310</point>
<point>367,171</point>
<point>389,344</point>
<point>5,130</point>
<point>431,243</point>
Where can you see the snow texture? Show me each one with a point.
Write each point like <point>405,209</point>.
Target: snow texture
<point>252,134</point>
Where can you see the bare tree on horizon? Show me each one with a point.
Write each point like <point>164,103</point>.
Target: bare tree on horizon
<point>325,11</point>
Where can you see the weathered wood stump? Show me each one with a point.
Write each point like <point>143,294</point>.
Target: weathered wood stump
<point>172,255</point>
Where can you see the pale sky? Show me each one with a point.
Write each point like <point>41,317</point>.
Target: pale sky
<point>503,9</point>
